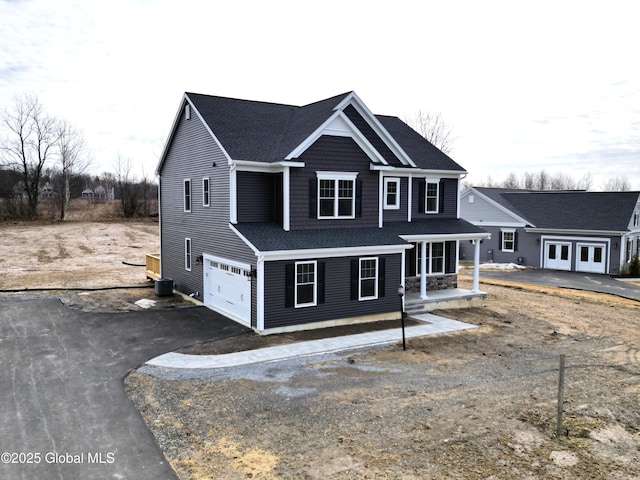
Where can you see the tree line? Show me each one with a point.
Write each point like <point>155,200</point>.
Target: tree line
<point>42,156</point>
<point>543,180</point>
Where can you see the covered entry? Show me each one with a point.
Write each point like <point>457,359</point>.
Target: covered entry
<point>227,287</point>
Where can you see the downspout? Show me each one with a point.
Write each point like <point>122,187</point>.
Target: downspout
<point>160,220</point>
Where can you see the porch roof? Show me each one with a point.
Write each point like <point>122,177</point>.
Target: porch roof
<point>269,237</point>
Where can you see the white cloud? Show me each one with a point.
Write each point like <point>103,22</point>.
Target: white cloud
<point>544,85</point>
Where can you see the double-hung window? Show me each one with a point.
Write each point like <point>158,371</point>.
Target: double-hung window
<point>368,281</point>
<point>187,194</point>
<point>205,192</point>
<point>435,258</point>
<point>187,254</point>
<point>306,284</point>
<point>508,240</point>
<point>336,194</point>
<point>391,193</point>
<point>432,192</point>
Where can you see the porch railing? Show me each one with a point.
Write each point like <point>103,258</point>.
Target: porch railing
<point>153,266</point>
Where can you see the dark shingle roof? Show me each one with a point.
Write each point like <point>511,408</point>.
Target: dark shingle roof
<point>268,132</point>
<point>268,237</point>
<point>570,210</point>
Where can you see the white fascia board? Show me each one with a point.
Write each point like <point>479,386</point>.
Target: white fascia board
<point>352,132</point>
<point>503,209</point>
<point>445,237</point>
<point>374,123</point>
<point>186,100</point>
<point>418,172</point>
<point>245,240</point>
<point>561,231</point>
<point>498,224</point>
<point>275,167</point>
<point>275,255</point>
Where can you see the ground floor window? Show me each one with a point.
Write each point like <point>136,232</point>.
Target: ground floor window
<point>305,288</point>
<point>508,240</point>
<point>187,254</point>
<point>368,281</point>
<point>435,258</point>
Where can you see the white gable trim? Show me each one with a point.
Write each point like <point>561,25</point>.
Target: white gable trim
<point>374,123</point>
<point>187,102</point>
<point>517,218</point>
<point>338,124</point>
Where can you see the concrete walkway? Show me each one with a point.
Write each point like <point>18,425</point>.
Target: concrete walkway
<point>433,325</point>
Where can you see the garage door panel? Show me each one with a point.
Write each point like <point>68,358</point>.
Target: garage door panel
<point>229,289</point>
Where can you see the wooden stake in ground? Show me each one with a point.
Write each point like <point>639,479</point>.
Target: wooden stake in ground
<point>560,395</point>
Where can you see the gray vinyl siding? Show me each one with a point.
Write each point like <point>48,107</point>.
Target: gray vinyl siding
<point>332,154</point>
<point>448,201</point>
<point>399,215</point>
<point>338,303</point>
<point>483,211</point>
<point>191,155</point>
<point>527,248</point>
<point>259,197</point>
<point>362,125</point>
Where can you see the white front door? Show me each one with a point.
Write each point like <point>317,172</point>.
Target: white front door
<point>591,258</point>
<point>557,255</point>
<point>228,288</point>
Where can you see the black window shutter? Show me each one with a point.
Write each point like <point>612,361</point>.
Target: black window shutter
<point>500,244</point>
<point>289,282</point>
<point>320,282</point>
<point>515,241</point>
<point>450,257</point>
<point>381,277</point>
<point>354,279</point>
<point>441,197</point>
<point>313,198</point>
<point>358,198</point>
<point>411,260</point>
<point>422,195</point>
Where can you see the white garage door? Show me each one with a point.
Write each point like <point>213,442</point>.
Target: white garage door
<point>557,255</point>
<point>228,288</point>
<point>591,258</point>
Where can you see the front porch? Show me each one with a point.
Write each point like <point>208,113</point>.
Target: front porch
<point>442,299</point>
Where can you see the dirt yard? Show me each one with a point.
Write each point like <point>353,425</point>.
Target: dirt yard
<point>479,404</point>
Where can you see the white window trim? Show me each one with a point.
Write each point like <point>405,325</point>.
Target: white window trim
<point>188,256</point>
<point>508,230</point>
<point>435,181</point>
<point>315,285</point>
<point>375,295</point>
<point>206,192</point>
<point>430,258</point>
<point>187,112</point>
<point>184,195</point>
<point>336,177</point>
<point>396,205</point>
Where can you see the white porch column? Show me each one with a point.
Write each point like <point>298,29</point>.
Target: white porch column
<point>476,267</point>
<point>423,271</point>
<point>285,199</point>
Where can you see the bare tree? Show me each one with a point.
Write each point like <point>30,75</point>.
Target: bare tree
<point>31,136</point>
<point>511,182</point>
<point>127,187</point>
<point>617,184</point>
<point>434,128</point>
<point>73,159</point>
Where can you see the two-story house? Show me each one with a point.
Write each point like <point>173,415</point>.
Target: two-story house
<point>285,217</point>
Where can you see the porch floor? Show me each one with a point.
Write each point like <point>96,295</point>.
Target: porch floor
<point>449,298</point>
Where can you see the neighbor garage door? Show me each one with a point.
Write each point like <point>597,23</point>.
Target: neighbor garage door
<point>228,288</point>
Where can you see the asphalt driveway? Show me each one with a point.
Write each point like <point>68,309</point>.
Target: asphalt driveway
<point>581,281</point>
<point>65,414</point>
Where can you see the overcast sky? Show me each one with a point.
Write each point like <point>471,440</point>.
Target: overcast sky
<point>525,86</point>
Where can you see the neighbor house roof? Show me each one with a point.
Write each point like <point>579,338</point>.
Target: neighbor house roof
<point>568,210</point>
<point>268,132</point>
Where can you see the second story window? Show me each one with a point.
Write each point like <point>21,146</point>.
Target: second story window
<point>391,193</point>
<point>187,195</point>
<point>432,194</point>
<point>336,195</point>
<point>205,192</point>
